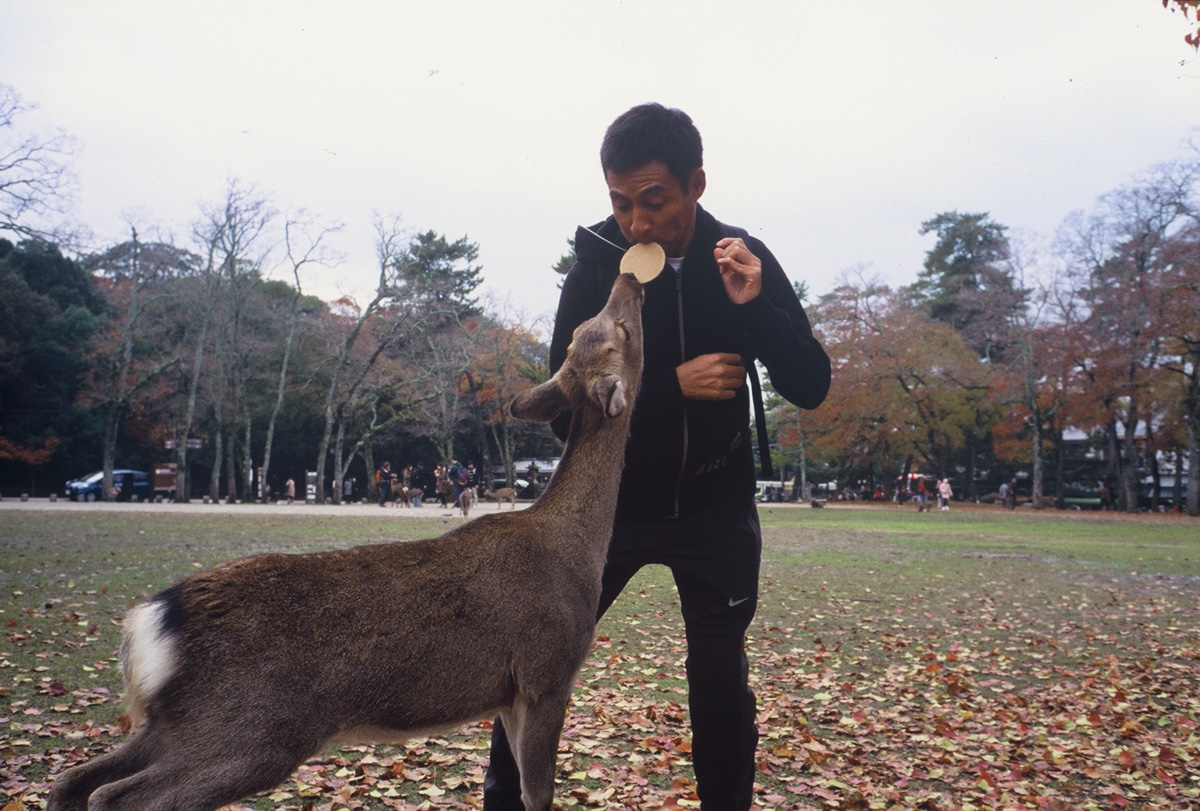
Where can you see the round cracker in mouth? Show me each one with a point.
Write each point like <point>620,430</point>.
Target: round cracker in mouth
<point>644,260</point>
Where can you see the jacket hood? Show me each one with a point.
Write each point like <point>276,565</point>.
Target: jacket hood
<point>601,244</point>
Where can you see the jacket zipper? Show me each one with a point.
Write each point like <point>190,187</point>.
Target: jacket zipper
<point>682,358</point>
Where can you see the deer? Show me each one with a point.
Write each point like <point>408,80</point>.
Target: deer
<point>465,499</point>
<point>501,495</point>
<point>239,674</point>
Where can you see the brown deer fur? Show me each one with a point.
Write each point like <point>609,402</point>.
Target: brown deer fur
<point>245,671</point>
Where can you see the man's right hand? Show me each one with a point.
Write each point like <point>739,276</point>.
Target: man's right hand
<point>712,377</point>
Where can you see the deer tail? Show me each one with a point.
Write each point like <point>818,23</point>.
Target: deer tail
<point>148,654</point>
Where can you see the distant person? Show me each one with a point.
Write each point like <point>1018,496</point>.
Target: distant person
<point>418,478</point>
<point>383,478</point>
<point>289,490</point>
<point>458,478</point>
<point>1010,501</point>
<point>445,488</point>
<point>348,490</point>
<point>944,494</point>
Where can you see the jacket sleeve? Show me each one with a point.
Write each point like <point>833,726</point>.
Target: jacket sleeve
<point>781,337</point>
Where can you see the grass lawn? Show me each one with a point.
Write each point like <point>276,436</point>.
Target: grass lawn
<point>972,659</point>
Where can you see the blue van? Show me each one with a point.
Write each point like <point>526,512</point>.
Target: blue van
<point>130,485</point>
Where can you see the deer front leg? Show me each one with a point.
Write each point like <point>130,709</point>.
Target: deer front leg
<point>534,728</point>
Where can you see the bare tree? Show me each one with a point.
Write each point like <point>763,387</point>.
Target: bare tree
<point>303,241</point>
<point>135,274</point>
<point>36,184</point>
<point>238,226</point>
<point>230,235</point>
<point>346,375</point>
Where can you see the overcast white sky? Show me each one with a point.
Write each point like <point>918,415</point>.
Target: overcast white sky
<point>832,129</point>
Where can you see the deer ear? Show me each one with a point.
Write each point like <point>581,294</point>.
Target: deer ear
<point>541,403</point>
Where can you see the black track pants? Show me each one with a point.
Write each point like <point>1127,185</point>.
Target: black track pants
<point>714,557</point>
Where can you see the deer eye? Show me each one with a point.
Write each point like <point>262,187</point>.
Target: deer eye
<point>625,330</point>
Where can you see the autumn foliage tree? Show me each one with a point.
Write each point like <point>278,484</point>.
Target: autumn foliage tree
<point>1191,11</point>
<point>1182,357</point>
<point>908,389</point>
<point>1121,254</point>
<point>509,359</point>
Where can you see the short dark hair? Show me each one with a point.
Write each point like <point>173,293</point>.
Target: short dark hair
<point>651,132</point>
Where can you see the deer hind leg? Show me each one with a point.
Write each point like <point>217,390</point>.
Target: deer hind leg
<point>534,728</point>
<point>72,790</point>
<point>183,783</point>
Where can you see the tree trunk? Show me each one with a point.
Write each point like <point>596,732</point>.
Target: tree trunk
<point>1036,438</point>
<point>338,453</point>
<point>111,421</point>
<point>972,490</point>
<point>1129,464</point>
<point>1060,470</point>
<point>282,388</point>
<point>247,461</point>
<point>214,478</point>
<point>1114,456</point>
<point>1193,467</point>
<point>182,482</point>
<point>1155,471</point>
<point>368,455</point>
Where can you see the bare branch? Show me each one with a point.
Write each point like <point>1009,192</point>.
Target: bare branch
<point>35,182</point>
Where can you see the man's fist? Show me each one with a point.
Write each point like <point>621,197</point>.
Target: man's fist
<point>711,377</point>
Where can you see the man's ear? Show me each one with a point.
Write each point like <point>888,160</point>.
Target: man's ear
<point>541,403</point>
<point>697,183</point>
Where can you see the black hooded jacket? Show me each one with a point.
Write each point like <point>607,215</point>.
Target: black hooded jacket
<point>686,455</point>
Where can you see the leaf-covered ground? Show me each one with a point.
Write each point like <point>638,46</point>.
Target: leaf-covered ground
<point>961,661</point>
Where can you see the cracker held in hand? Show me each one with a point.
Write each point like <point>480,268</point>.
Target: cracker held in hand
<point>644,260</point>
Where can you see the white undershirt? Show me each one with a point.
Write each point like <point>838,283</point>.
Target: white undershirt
<point>675,262</point>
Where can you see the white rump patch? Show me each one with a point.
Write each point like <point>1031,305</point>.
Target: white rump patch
<point>148,654</point>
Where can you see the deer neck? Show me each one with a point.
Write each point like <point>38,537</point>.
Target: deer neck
<point>588,477</point>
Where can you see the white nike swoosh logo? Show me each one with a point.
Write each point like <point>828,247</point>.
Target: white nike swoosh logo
<point>733,602</point>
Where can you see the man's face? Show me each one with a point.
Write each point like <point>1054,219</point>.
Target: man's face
<point>650,206</point>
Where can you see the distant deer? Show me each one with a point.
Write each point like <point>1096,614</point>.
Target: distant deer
<point>501,495</point>
<point>245,671</point>
<point>465,499</point>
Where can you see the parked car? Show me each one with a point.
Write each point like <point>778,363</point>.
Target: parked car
<point>130,485</point>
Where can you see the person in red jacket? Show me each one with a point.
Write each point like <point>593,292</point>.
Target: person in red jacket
<point>687,491</point>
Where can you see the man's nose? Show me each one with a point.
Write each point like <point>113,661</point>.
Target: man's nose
<point>641,225</point>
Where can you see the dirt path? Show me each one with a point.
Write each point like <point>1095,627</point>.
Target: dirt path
<point>298,508</point>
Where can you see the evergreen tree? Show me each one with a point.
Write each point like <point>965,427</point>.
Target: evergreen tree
<point>967,282</point>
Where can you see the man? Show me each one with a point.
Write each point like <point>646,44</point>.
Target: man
<point>458,479</point>
<point>687,490</point>
<point>383,478</point>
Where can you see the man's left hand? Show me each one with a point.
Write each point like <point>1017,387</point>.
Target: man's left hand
<point>741,270</point>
